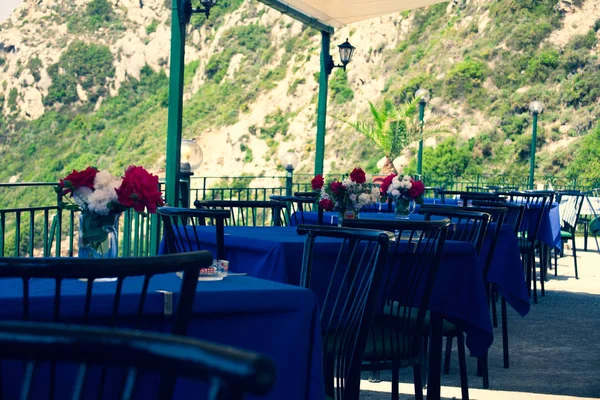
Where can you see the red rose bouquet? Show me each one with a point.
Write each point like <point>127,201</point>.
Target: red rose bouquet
<point>404,187</point>
<point>100,192</point>
<point>350,194</point>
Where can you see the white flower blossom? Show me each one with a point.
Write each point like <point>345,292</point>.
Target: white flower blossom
<point>375,192</point>
<point>368,178</point>
<point>347,183</point>
<point>81,196</point>
<point>406,178</point>
<point>395,193</point>
<point>364,199</point>
<point>105,179</point>
<point>353,197</point>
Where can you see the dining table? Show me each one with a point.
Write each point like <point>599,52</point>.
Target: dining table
<point>275,253</point>
<point>277,320</point>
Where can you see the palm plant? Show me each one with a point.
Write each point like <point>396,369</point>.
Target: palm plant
<point>392,128</point>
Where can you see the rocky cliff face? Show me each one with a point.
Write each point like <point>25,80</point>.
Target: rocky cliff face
<point>277,112</point>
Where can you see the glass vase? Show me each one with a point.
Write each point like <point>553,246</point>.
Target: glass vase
<point>404,208</point>
<point>98,235</point>
<point>347,214</point>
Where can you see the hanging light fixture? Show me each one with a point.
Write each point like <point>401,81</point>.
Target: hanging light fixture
<point>188,9</point>
<point>346,52</point>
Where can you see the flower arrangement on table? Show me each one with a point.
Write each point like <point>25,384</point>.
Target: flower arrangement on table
<point>404,191</point>
<point>101,197</point>
<point>347,196</point>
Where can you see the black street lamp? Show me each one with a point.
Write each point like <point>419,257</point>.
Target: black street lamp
<point>346,52</point>
<point>188,10</point>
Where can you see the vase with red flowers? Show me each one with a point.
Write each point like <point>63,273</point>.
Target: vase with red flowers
<point>404,191</point>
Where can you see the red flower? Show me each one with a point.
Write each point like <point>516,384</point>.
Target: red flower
<point>386,184</point>
<point>358,175</point>
<point>336,187</point>
<point>317,182</point>
<point>326,205</point>
<point>78,179</point>
<point>139,190</point>
<point>417,189</point>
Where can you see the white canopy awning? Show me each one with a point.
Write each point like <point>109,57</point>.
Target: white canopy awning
<point>337,13</point>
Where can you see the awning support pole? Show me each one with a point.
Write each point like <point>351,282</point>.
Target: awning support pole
<point>322,105</point>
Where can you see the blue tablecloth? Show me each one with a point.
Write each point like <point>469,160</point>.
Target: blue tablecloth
<point>549,232</point>
<point>506,269</point>
<point>278,320</point>
<point>275,253</point>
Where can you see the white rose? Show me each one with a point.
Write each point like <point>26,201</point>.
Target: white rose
<point>105,179</point>
<point>396,183</point>
<point>353,197</point>
<point>395,193</point>
<point>364,199</point>
<point>406,178</point>
<point>408,185</point>
<point>347,183</point>
<point>375,192</point>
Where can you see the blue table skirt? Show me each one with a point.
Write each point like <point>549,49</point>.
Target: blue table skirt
<point>506,269</point>
<point>281,321</point>
<point>275,253</point>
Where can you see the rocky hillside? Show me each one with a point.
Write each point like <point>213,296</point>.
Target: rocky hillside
<point>86,82</point>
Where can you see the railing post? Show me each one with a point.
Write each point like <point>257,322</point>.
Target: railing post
<point>59,201</point>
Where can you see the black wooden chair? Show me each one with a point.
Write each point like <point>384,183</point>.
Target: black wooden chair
<point>31,270</point>
<point>92,270</point>
<point>134,356</point>
<point>348,292</point>
<point>295,208</point>
<point>514,217</point>
<point>468,226</point>
<point>528,239</point>
<point>570,202</point>
<point>467,196</point>
<point>180,232</point>
<point>247,212</point>
<point>396,338</point>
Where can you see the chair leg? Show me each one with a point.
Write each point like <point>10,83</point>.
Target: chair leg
<point>462,365</point>
<point>504,333</point>
<point>533,276</point>
<point>555,262</point>
<point>418,382</point>
<point>494,311</point>
<point>483,362</point>
<point>448,355</point>
<point>527,273</point>
<point>575,257</point>
<point>395,382</point>
<point>585,236</point>
<point>424,360</point>
<point>543,265</point>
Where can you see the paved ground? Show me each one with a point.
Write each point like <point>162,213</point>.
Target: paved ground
<point>554,350</point>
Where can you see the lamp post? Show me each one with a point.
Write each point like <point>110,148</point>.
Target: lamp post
<point>423,96</point>
<point>191,158</point>
<point>290,161</point>
<point>536,108</point>
<point>327,65</point>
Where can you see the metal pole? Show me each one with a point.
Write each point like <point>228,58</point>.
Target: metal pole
<point>420,155</point>
<point>289,179</point>
<point>175,103</point>
<point>322,105</point>
<point>533,143</point>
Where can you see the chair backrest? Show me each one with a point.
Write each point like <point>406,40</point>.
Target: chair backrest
<point>307,194</point>
<point>180,233</point>
<point>514,215</point>
<point>347,291</point>
<point>533,200</point>
<point>407,284</point>
<point>570,202</point>
<point>247,212</point>
<point>63,271</point>
<point>479,189</point>
<point>295,207</point>
<point>129,355</point>
<point>472,196</point>
<point>467,226</point>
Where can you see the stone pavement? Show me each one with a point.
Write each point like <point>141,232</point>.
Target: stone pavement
<point>554,350</point>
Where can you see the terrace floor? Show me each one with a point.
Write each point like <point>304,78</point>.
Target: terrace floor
<point>554,350</point>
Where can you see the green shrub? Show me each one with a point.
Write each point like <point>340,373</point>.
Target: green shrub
<point>35,65</point>
<point>528,35</point>
<point>464,77</point>
<point>582,89</point>
<point>587,41</point>
<point>12,99</point>
<point>341,92</point>
<point>152,27</point>
<point>217,66</point>
<point>275,123</point>
<point>99,12</point>
<point>540,66</point>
